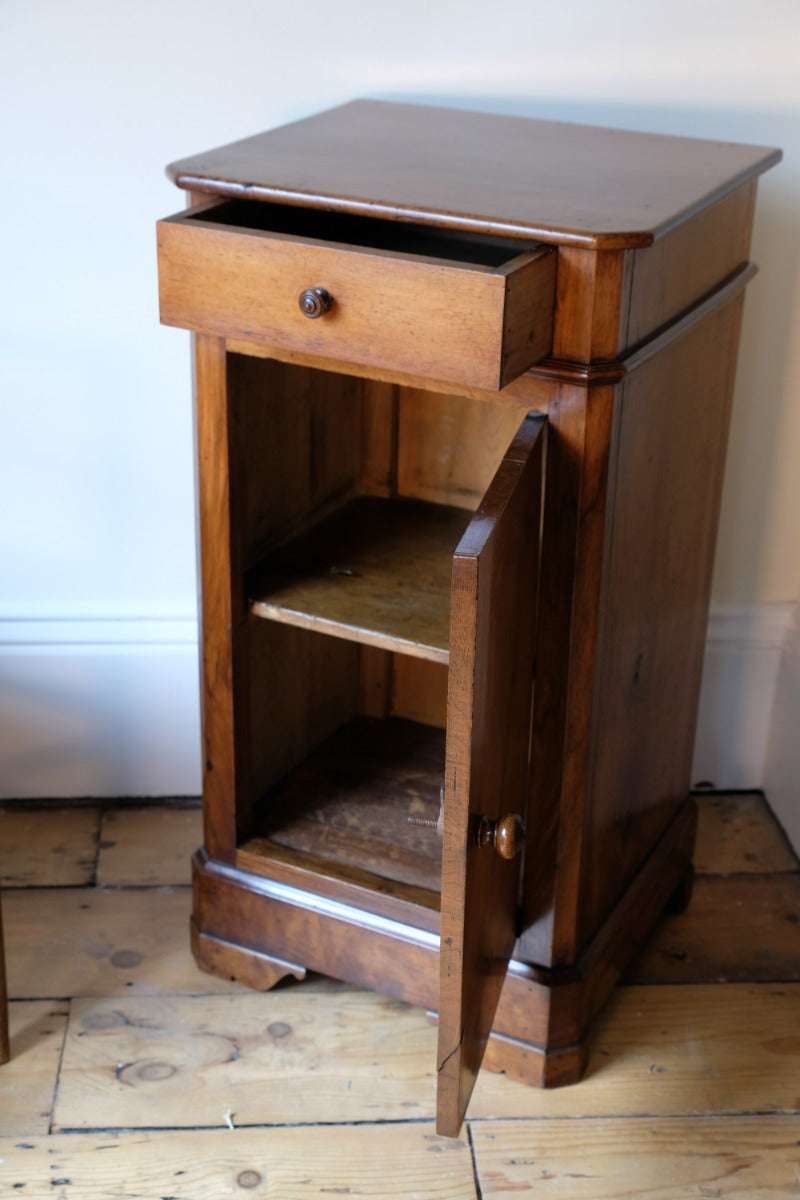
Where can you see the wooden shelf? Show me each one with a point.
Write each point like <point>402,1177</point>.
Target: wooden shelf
<point>377,572</point>
<point>349,802</point>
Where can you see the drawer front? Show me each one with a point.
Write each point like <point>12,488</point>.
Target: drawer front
<point>458,322</point>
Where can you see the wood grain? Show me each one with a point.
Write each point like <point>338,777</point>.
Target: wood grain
<point>592,297</point>
<point>299,447</point>
<point>52,846</point>
<point>654,601</point>
<point>148,847</point>
<point>460,323</point>
<point>449,447</point>
<point>285,1057</point>
<point>652,236</point>
<point>377,1162</point>
<point>350,802</point>
<point>222,529</point>
<point>685,1050</point>
<point>676,1073</point>
<point>96,942</point>
<point>737,834</point>
<point>28,1080</point>
<point>687,264</point>
<point>419,691</point>
<point>733,930</point>
<point>377,573</point>
<point>493,626</point>
<point>754,1158</point>
<point>576,185</point>
<point>303,687</point>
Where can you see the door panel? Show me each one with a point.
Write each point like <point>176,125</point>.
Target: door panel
<point>493,619</point>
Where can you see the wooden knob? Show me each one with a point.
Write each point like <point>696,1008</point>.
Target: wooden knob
<point>506,834</point>
<point>314,302</point>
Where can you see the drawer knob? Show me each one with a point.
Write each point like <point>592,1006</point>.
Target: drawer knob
<point>506,834</point>
<point>314,302</point>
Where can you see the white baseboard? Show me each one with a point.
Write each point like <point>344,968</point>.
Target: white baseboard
<point>782,766</point>
<point>743,654</point>
<point>110,707</point>
<point>748,729</point>
<point>98,708</point>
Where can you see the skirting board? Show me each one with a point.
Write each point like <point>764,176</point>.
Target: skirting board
<point>99,708</point>
<point>782,766</point>
<point>110,707</point>
<point>744,648</point>
<point>749,719</point>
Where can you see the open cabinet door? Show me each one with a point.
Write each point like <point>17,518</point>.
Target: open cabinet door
<point>492,628</point>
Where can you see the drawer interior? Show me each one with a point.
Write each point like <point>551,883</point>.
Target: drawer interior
<point>366,232</point>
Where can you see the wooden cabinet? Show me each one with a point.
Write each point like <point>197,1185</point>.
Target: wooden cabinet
<point>462,390</point>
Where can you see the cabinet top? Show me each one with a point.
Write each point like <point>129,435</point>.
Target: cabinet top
<point>571,184</point>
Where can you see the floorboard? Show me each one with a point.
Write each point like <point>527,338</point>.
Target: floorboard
<point>134,1074</point>
<point>295,1055</point>
<point>394,1162</point>
<point>751,1158</point>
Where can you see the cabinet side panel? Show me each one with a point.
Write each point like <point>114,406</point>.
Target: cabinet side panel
<point>673,426</point>
<point>301,438</point>
<point>611,301</point>
<point>304,685</point>
<point>684,265</point>
<point>419,690</point>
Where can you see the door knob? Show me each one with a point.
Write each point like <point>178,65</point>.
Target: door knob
<point>506,834</point>
<point>314,302</point>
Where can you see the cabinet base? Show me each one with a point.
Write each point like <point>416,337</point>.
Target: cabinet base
<point>250,967</point>
<point>249,927</point>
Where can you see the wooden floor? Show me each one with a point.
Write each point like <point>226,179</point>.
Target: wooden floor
<point>134,1075</point>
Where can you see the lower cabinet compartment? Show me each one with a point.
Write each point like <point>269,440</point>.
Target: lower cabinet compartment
<point>356,801</point>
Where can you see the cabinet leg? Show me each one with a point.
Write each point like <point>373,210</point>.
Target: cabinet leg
<point>250,967</point>
<point>534,1065</point>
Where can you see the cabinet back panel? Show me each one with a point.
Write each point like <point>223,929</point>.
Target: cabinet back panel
<point>303,687</point>
<point>673,432</point>
<point>449,447</point>
<point>419,690</point>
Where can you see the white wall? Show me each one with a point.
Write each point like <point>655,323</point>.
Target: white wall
<point>97,583</point>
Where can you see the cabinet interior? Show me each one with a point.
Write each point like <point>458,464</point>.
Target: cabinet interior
<point>352,495</point>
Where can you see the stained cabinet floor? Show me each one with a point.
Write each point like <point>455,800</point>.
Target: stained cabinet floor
<point>135,1075</point>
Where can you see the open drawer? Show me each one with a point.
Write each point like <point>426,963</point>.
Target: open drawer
<point>463,308</point>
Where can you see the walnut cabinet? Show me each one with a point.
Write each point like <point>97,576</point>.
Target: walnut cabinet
<point>462,396</point>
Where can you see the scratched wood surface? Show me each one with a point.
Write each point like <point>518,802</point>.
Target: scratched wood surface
<point>393,1162</point>
<point>101,942</point>
<point>65,858</point>
<point>149,846</point>
<point>28,1080</point>
<point>748,1157</point>
<point>294,1055</point>
<point>129,1066</point>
